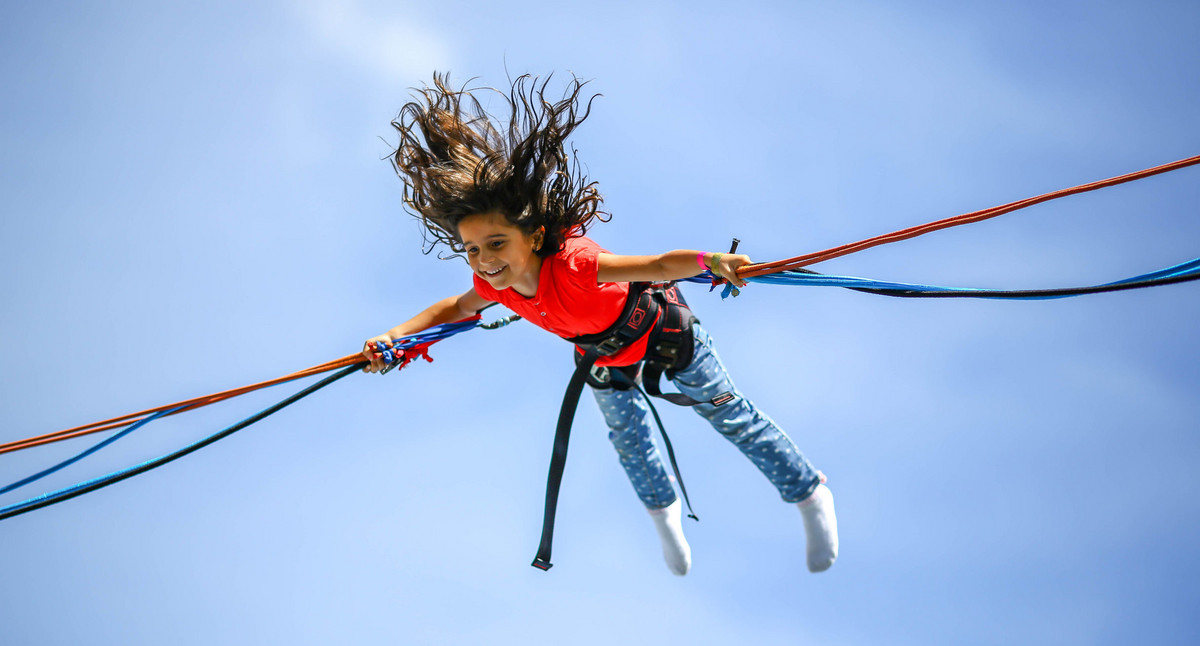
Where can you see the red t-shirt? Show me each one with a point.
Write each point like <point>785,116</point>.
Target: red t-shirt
<point>569,301</point>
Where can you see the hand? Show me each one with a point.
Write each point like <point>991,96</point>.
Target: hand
<point>371,352</point>
<point>726,266</point>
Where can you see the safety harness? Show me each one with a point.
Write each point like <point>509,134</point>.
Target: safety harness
<point>657,309</point>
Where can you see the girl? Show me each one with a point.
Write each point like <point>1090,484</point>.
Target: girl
<point>510,198</point>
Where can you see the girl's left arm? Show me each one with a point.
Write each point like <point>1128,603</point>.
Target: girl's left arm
<point>672,265</point>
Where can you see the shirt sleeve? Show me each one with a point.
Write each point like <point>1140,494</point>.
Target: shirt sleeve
<point>582,260</point>
<point>484,289</point>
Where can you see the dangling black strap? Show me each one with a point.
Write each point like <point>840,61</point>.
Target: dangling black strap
<point>558,459</point>
<point>662,430</point>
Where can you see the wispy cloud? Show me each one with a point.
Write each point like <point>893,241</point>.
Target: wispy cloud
<point>392,44</point>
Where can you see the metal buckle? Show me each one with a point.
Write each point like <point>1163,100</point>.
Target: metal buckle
<point>600,374</point>
<point>609,346</point>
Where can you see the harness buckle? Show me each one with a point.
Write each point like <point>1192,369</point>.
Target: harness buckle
<point>600,374</point>
<point>609,346</point>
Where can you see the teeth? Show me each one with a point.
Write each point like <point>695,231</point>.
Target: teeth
<point>493,273</point>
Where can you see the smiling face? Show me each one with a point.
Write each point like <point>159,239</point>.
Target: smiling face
<point>501,253</point>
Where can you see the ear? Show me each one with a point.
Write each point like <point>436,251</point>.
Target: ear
<point>539,237</point>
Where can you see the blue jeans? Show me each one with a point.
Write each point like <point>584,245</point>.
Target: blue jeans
<point>740,421</point>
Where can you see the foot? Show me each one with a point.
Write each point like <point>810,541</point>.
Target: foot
<point>676,552</point>
<point>820,528</point>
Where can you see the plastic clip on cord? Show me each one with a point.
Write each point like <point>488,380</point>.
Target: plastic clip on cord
<point>500,322</point>
<point>718,279</point>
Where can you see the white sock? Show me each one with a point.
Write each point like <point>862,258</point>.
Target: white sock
<point>820,528</point>
<point>676,551</point>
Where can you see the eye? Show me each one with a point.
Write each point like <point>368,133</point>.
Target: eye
<point>472,250</point>
<point>496,244</point>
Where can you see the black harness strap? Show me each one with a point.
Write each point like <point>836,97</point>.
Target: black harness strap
<point>558,459</point>
<point>669,348</point>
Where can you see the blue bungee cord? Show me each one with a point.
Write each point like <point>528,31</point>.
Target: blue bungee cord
<point>117,476</point>
<point>69,461</point>
<point>395,355</point>
<point>1182,272</point>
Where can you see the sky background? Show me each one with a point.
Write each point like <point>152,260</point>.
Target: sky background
<point>195,196</point>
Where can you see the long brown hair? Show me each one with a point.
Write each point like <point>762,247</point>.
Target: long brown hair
<point>456,160</point>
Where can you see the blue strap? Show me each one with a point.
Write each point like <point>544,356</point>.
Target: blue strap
<point>1182,272</point>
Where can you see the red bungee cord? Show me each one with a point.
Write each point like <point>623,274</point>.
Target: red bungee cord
<point>187,404</point>
<point>761,269</point>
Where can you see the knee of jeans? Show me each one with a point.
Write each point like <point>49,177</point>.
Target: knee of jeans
<point>747,428</point>
<point>732,415</point>
<point>699,378</point>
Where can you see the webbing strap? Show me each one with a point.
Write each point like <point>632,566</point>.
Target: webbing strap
<point>662,431</point>
<point>558,459</point>
<point>650,378</point>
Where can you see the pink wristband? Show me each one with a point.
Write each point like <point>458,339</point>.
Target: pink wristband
<point>700,261</point>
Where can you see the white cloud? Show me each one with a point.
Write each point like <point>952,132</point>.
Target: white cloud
<point>388,43</point>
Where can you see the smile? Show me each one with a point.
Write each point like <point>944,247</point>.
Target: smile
<point>494,272</point>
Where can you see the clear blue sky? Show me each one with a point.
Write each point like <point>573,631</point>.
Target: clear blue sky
<point>195,197</point>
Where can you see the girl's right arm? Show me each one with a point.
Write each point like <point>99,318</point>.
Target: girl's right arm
<point>447,310</point>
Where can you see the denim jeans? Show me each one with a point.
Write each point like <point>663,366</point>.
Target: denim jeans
<point>740,421</point>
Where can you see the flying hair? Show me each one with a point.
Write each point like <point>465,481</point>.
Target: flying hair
<point>456,160</point>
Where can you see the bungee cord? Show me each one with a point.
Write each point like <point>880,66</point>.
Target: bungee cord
<point>168,409</point>
<point>69,461</point>
<point>414,346</point>
<point>797,262</point>
<point>789,271</point>
<point>1183,272</point>
<point>117,476</point>
<point>399,354</point>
